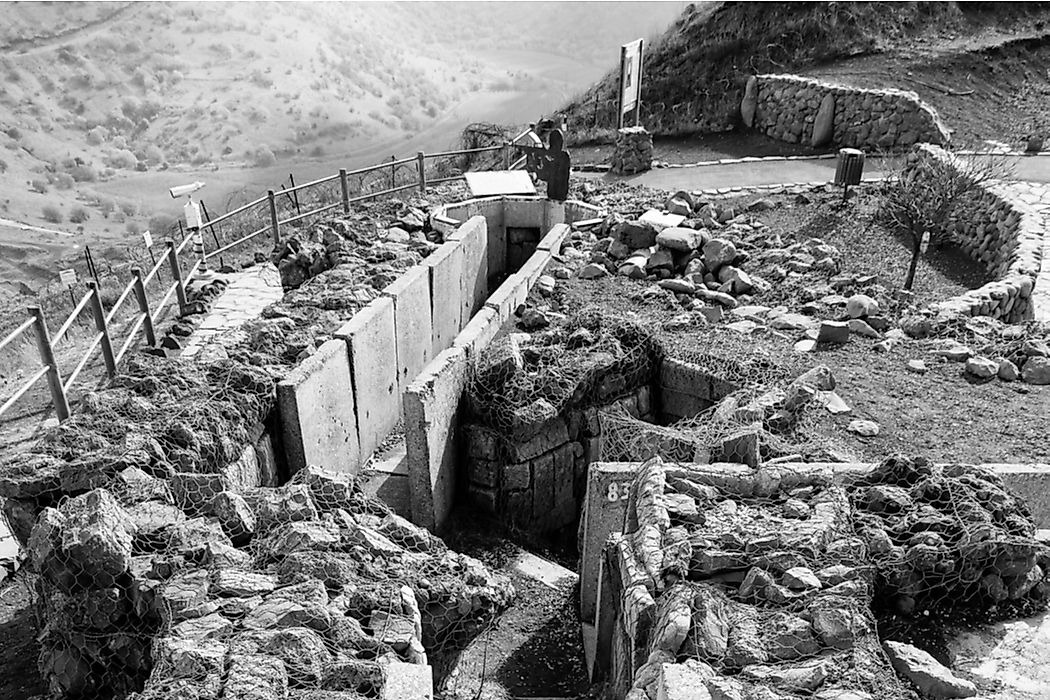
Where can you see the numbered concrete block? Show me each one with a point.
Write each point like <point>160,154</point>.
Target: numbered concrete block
<point>604,512</point>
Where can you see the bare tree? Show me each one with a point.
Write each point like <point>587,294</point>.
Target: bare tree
<point>930,194</point>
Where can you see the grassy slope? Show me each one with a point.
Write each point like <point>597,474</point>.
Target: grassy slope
<point>695,72</point>
<point>92,93</point>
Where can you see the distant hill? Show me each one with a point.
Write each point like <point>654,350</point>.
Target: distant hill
<point>97,99</point>
<point>694,72</point>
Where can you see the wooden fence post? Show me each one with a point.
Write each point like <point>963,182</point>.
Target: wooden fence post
<point>176,275</point>
<point>100,324</point>
<point>273,218</point>
<point>47,357</point>
<point>140,294</point>
<point>422,162</point>
<point>506,155</point>
<point>345,187</point>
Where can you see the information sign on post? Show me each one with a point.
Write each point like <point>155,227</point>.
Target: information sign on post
<point>630,82</point>
<point>68,278</point>
<point>147,238</point>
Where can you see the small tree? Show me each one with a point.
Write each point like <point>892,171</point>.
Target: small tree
<point>51,214</point>
<point>930,193</point>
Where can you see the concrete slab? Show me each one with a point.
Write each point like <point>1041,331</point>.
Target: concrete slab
<point>604,512</point>
<point>543,570</point>
<point>407,681</point>
<point>474,278</point>
<point>509,295</point>
<point>318,412</point>
<point>412,323</point>
<point>534,266</point>
<point>554,239</point>
<point>492,210</point>
<point>386,477</point>
<point>372,348</point>
<point>523,212</point>
<point>480,331</point>
<point>443,267</point>
<point>431,422</point>
<point>590,646</point>
<point>1012,657</point>
<point>497,182</point>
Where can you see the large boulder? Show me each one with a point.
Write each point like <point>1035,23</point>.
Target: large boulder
<point>933,679</point>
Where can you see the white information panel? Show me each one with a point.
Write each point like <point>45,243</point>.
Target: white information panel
<point>491,183</point>
<point>630,76</point>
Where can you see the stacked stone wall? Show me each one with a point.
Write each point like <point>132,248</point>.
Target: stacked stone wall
<point>806,111</point>
<point>538,484</point>
<point>1004,235</point>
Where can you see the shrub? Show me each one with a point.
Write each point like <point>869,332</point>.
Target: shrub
<point>51,214</point>
<point>83,173</point>
<point>133,228</point>
<point>63,181</point>
<point>96,136</point>
<point>106,207</point>
<point>122,159</point>
<point>38,186</point>
<point>263,157</point>
<point>78,215</point>
<point>14,132</point>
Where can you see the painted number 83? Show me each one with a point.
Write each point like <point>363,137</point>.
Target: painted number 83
<point>618,492</point>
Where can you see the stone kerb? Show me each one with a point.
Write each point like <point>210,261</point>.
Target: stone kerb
<point>1003,234</point>
<point>815,113</point>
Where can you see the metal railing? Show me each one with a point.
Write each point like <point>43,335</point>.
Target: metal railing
<point>147,315</point>
<point>327,198</point>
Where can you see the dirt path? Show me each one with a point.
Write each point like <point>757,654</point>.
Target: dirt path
<point>37,45</point>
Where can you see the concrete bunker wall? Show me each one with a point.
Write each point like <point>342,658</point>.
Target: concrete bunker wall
<point>535,482</point>
<point>804,110</point>
<point>1004,235</point>
<point>340,404</point>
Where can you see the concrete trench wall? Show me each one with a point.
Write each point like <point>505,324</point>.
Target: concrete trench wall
<point>1004,235</point>
<point>804,110</point>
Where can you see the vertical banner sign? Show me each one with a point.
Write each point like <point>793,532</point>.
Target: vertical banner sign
<point>630,82</point>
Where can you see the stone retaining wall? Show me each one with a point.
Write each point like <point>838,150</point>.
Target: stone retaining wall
<point>537,485</point>
<point>807,111</point>
<point>1004,235</point>
<point>738,582</point>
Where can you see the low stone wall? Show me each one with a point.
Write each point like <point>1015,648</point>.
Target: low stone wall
<point>537,485</point>
<point>737,581</point>
<point>1004,235</point>
<point>803,110</point>
<point>245,590</point>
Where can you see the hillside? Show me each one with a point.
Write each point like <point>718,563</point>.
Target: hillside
<point>694,72</point>
<point>103,106</point>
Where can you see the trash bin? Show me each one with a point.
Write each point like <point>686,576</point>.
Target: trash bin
<point>850,166</point>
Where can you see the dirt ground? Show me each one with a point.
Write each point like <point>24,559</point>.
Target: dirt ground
<point>19,677</point>
<point>943,414</point>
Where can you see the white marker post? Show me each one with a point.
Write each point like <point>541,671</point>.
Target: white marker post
<point>630,82</point>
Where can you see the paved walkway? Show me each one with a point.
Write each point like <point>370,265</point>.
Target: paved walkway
<point>1037,196</point>
<point>761,171</point>
<point>247,294</point>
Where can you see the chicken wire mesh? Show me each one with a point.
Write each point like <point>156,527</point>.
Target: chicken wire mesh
<point>312,586</point>
<point>780,578</point>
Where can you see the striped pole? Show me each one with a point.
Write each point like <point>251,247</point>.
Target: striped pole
<point>198,248</point>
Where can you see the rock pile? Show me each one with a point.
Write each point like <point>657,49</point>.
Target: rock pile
<point>312,585</point>
<point>803,110</point>
<point>324,246</point>
<point>942,538</point>
<point>745,584</point>
<point>633,151</point>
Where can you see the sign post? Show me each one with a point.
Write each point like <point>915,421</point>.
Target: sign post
<point>630,97</point>
<point>147,239</point>
<point>68,279</point>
